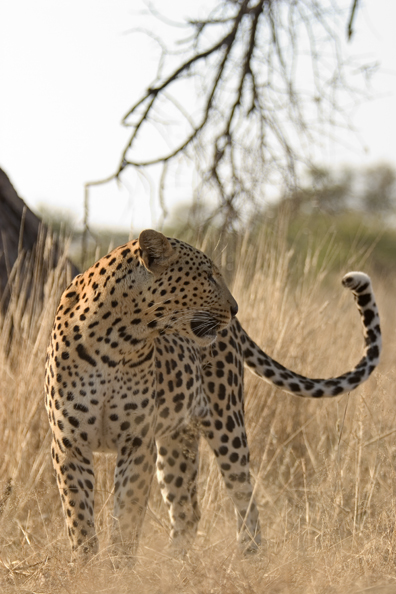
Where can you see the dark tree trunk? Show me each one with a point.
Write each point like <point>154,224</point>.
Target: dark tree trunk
<point>28,249</point>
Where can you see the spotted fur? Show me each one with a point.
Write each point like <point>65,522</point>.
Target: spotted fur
<point>145,356</point>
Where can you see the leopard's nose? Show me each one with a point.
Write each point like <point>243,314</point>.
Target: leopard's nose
<point>234,310</point>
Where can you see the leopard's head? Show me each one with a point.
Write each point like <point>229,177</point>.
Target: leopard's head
<point>188,294</point>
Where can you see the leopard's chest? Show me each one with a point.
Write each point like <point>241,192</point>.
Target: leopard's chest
<point>179,387</point>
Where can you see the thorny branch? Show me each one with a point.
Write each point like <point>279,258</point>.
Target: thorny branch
<point>253,111</point>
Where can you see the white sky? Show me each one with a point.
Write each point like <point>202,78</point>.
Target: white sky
<point>69,71</point>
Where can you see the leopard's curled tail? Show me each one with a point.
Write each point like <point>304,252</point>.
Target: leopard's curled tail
<point>270,370</point>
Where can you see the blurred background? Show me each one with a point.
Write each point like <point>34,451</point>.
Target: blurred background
<point>200,113</point>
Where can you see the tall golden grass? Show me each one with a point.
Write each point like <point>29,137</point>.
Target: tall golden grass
<point>323,471</point>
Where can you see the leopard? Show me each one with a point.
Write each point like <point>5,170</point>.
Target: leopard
<point>146,356</point>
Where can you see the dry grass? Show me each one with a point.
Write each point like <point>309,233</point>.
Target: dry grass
<point>323,471</point>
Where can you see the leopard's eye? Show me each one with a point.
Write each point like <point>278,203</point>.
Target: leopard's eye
<point>211,278</point>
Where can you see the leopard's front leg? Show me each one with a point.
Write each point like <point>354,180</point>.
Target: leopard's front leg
<point>76,480</point>
<point>177,469</point>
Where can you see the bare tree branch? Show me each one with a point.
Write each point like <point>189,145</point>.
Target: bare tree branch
<point>351,18</point>
<point>257,109</point>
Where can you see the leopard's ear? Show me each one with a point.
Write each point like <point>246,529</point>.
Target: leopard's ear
<point>156,251</point>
